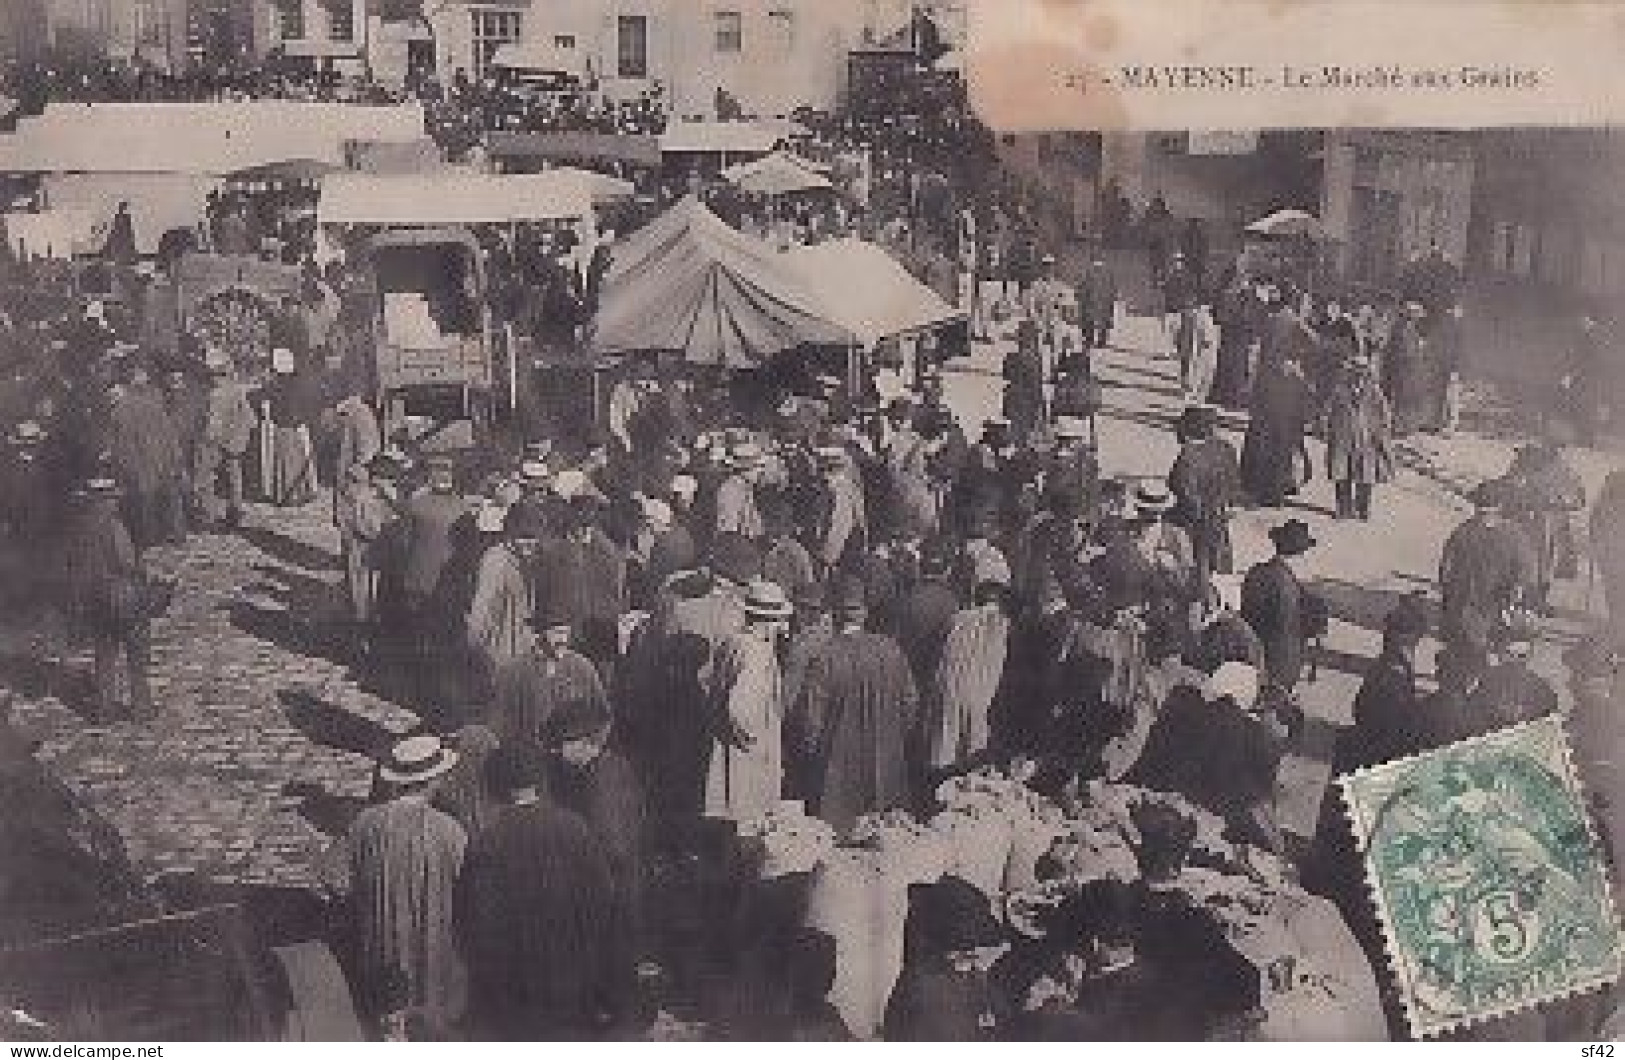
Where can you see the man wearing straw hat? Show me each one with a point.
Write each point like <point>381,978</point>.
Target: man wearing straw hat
<point>737,512</point>
<point>747,759</point>
<point>405,857</point>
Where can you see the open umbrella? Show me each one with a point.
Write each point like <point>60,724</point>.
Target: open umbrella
<point>1288,224</point>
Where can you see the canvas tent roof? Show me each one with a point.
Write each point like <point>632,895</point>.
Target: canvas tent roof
<point>575,146</point>
<point>453,198</point>
<point>869,290</point>
<point>688,284</point>
<point>719,138</point>
<point>205,139</point>
<point>776,174</point>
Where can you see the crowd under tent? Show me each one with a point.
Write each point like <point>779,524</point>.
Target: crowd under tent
<point>689,286</point>
<point>453,199</point>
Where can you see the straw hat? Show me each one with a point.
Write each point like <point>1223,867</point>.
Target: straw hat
<point>417,760</point>
<point>1235,681</point>
<point>1070,428</point>
<point>767,601</point>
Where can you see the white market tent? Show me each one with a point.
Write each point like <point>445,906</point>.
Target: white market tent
<point>599,187</point>
<point>776,174</point>
<point>453,199</point>
<point>687,284</point>
<point>165,158</point>
<point>208,139</point>
<point>869,291</point>
<point>719,138</point>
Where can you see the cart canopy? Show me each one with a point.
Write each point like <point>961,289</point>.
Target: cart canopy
<point>453,198</point>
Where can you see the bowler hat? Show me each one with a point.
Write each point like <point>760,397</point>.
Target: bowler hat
<point>524,522</point>
<point>735,558</point>
<point>1197,422</point>
<point>577,718</point>
<point>1292,538</point>
<point>849,594</point>
<point>514,767</point>
<point>1491,494</point>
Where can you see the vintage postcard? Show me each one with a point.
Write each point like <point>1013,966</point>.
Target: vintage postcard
<point>811,520</point>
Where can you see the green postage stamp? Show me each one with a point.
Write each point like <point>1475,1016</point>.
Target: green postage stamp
<point>1487,876</point>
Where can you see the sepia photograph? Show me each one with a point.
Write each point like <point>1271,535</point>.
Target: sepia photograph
<point>693,520</point>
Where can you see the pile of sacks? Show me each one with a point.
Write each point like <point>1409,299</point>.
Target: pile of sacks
<point>1027,853</point>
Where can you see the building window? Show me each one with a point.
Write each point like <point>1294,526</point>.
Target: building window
<point>151,25</point>
<point>291,19</point>
<point>730,32</point>
<point>783,21</point>
<point>564,42</point>
<point>492,30</point>
<point>632,50</point>
<point>340,21</point>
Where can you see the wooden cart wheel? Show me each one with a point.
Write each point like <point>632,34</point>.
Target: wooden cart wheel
<point>238,325</point>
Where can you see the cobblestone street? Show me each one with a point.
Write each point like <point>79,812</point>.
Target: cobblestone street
<point>259,750</point>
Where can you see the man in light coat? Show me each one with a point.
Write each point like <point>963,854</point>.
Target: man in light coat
<point>228,427</point>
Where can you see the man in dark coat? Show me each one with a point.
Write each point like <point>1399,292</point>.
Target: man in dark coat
<point>584,572</point>
<point>924,613</point>
<point>1385,709</point>
<point>1235,772</point>
<point>1487,567</point>
<point>530,689</point>
<point>596,781</point>
<point>943,993</point>
<point>1024,383</point>
<point>1205,481</point>
<point>1097,303</point>
<point>1510,692</point>
<point>851,730</point>
<point>1280,610</point>
<point>108,583</point>
<point>1273,447</point>
<point>535,908</point>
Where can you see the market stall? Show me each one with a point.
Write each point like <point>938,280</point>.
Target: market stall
<point>872,294</point>
<point>690,287</point>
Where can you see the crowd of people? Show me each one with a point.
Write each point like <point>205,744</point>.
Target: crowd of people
<point>654,659</point>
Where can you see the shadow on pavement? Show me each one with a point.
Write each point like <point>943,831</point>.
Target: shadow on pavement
<point>326,812</point>
<point>1362,606</point>
<point>36,678</point>
<point>288,550</point>
<point>290,630</point>
<point>333,726</point>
